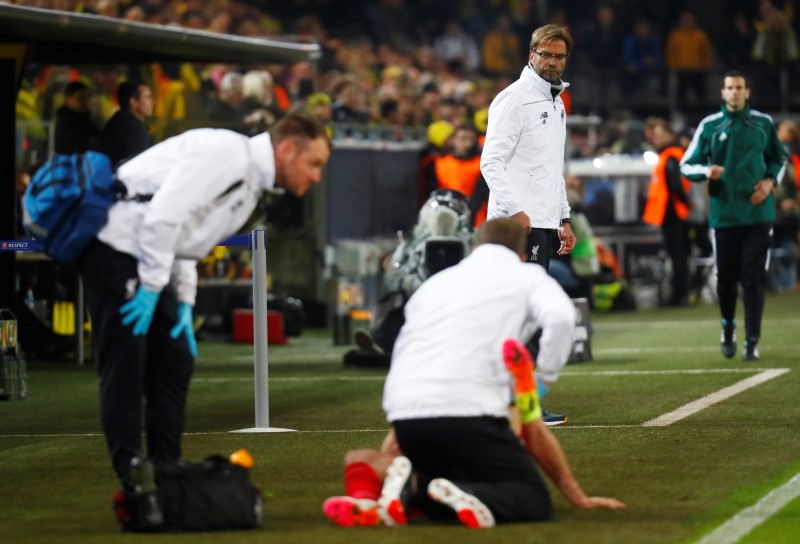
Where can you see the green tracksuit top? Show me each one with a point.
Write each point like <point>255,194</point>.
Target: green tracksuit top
<point>746,145</point>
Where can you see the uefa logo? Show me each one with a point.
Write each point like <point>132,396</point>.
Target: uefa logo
<point>14,245</point>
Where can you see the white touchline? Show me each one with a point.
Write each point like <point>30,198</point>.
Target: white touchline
<point>709,400</point>
<point>688,324</point>
<point>567,373</point>
<point>670,349</point>
<point>748,519</point>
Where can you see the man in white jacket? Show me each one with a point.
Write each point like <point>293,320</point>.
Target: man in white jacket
<point>523,155</point>
<point>447,398</point>
<point>185,195</point>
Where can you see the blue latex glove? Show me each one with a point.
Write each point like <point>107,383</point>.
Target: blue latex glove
<point>542,388</point>
<point>185,326</point>
<point>139,310</point>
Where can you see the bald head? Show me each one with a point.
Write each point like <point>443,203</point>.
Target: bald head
<point>503,232</point>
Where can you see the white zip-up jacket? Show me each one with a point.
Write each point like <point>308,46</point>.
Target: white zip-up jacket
<point>523,155</point>
<point>205,184</point>
<point>448,362</point>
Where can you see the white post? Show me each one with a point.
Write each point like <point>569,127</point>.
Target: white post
<point>260,357</point>
<point>258,244</point>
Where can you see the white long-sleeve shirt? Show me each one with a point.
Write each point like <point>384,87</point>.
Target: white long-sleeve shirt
<point>447,360</point>
<point>523,155</point>
<point>196,202</point>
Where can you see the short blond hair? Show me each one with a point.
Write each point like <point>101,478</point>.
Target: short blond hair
<point>504,232</point>
<point>548,33</point>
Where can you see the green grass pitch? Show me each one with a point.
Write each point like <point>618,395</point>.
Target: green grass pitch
<point>680,481</point>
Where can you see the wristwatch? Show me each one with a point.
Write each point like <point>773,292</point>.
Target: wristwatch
<point>566,221</point>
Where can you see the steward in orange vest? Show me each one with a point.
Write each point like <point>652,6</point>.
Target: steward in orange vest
<point>668,206</point>
<point>668,189</point>
<point>460,170</point>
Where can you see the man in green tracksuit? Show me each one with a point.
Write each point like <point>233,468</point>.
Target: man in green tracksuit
<point>737,150</point>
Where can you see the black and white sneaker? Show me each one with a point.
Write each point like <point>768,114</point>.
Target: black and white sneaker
<point>750,350</point>
<point>364,340</point>
<point>727,339</point>
<point>395,493</point>
<point>553,420</point>
<point>469,508</point>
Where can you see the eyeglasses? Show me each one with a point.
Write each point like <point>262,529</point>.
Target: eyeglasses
<point>558,57</point>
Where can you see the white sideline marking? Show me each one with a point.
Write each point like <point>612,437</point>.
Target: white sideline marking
<point>661,421</point>
<point>567,373</point>
<point>709,400</point>
<point>751,517</point>
<point>312,358</point>
<point>197,433</point>
<point>329,357</point>
<point>704,349</point>
<point>319,431</point>
<point>626,326</point>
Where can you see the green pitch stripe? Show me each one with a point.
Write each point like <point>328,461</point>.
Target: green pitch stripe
<point>751,517</point>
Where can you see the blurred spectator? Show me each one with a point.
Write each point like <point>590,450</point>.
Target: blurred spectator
<point>522,21</point>
<point>75,130</point>
<point>668,207</point>
<point>391,82</point>
<point>126,134</point>
<point>642,60</point>
<point>349,104</point>
<point>602,46</point>
<point>738,46</point>
<point>106,8</point>
<point>49,83</point>
<point>260,100</point>
<point>789,135</point>
<point>577,271</point>
<point>439,133</point>
<point>389,22</point>
<point>134,14</point>
<point>457,47</point>
<point>319,106</point>
<point>401,112</point>
<point>690,55</point>
<point>229,108</point>
<point>429,103</point>
<point>500,48</point>
<point>221,22</point>
<point>300,82</point>
<point>775,50</point>
<point>460,170</point>
<point>787,220</point>
<point>697,232</point>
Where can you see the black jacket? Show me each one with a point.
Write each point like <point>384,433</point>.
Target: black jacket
<point>123,137</point>
<point>75,132</point>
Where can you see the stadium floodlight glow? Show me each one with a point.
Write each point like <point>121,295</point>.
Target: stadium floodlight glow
<point>650,157</point>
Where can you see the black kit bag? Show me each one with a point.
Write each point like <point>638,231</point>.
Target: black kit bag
<point>212,495</point>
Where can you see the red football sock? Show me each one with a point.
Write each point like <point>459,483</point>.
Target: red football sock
<point>361,481</point>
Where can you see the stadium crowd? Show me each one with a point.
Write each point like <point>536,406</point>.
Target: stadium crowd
<point>433,66</point>
<point>408,63</point>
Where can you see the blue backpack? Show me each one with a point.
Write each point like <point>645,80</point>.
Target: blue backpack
<point>67,201</point>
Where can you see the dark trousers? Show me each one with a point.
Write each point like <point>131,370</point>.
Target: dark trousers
<point>541,244</point>
<point>154,368</point>
<point>742,258</point>
<point>481,456</point>
<point>676,246</point>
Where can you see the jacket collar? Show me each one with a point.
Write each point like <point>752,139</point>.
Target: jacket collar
<point>535,81</point>
<point>262,161</point>
<point>742,113</point>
